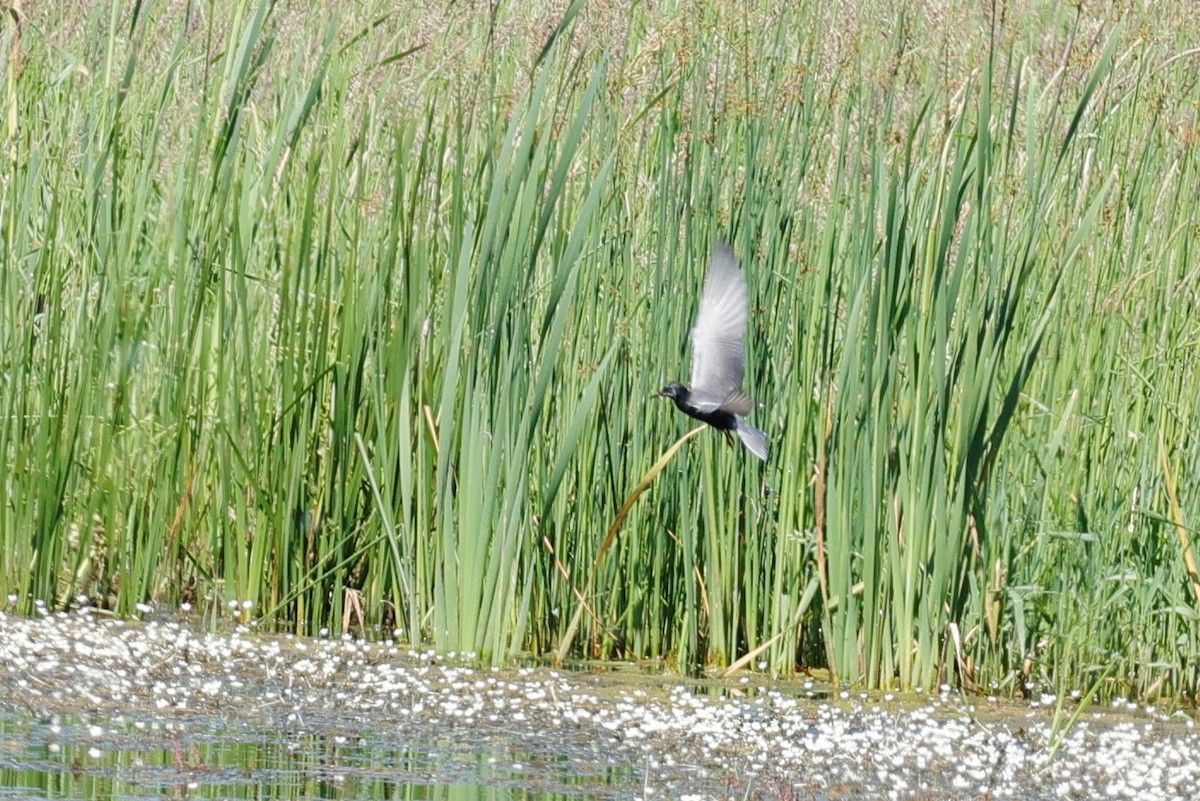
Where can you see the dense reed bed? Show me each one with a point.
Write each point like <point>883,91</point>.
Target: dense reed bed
<point>352,321</point>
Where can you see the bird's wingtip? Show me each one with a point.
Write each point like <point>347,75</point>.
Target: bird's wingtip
<point>721,249</point>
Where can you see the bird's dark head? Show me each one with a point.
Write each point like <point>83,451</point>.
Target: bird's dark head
<point>673,390</point>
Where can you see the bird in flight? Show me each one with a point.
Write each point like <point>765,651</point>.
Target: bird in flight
<point>716,396</point>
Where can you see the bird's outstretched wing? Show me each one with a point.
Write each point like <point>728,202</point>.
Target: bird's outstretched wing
<point>718,336</point>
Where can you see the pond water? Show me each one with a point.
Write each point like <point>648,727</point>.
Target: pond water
<point>94,708</point>
<point>88,757</point>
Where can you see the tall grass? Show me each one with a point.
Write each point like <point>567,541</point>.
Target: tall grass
<point>354,323</point>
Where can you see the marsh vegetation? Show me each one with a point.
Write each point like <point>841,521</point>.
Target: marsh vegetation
<point>355,317</point>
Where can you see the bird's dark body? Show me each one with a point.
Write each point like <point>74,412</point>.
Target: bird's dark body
<point>719,419</point>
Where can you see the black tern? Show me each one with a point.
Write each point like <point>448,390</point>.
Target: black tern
<point>716,396</point>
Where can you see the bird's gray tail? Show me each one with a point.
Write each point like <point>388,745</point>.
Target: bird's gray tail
<point>752,438</point>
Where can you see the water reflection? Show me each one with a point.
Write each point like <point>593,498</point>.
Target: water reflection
<point>70,756</point>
